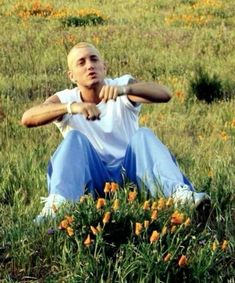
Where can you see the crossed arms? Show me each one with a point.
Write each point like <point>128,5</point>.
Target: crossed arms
<point>52,109</point>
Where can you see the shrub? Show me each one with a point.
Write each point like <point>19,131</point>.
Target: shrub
<point>75,21</point>
<point>209,87</point>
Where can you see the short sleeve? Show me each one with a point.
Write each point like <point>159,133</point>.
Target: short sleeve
<point>125,80</point>
<point>66,96</point>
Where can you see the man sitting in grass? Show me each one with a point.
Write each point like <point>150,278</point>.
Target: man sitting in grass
<point>102,140</point>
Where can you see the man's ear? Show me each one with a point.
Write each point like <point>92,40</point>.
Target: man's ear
<point>70,75</point>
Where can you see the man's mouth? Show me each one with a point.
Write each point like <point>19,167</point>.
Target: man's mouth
<point>92,74</point>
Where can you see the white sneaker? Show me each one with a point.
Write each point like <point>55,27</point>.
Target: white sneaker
<point>51,205</point>
<point>183,195</point>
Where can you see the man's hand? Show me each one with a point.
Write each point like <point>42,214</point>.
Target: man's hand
<point>88,110</point>
<point>111,92</point>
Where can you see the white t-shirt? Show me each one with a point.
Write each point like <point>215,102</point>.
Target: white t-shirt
<point>112,133</point>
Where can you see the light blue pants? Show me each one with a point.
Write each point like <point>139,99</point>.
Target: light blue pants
<point>76,168</point>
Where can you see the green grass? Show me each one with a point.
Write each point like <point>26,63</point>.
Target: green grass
<point>162,41</point>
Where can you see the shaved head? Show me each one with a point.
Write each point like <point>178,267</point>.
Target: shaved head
<point>70,57</point>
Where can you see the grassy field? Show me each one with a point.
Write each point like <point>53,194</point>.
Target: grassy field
<point>163,41</point>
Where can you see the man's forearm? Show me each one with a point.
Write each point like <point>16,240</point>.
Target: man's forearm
<point>43,114</point>
<point>147,92</point>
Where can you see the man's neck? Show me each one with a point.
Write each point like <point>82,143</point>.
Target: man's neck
<point>90,95</point>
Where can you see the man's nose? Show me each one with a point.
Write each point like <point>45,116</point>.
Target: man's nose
<point>90,64</point>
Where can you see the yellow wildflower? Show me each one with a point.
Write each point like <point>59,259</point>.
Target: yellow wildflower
<point>177,218</point>
<point>70,231</point>
<point>106,217</point>
<point>138,228</point>
<point>154,237</point>
<point>116,204</point>
<point>100,203</point>
<point>182,261</point>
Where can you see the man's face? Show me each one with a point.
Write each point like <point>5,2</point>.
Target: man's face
<point>87,69</point>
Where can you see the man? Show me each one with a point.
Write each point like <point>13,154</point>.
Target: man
<point>102,140</point>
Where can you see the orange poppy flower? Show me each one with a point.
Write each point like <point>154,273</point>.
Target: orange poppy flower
<point>154,215</point>
<point>164,231</point>
<point>116,204</point>
<point>101,202</point>
<point>132,196</point>
<point>138,228</point>
<point>93,230</point>
<point>167,257</point>
<point>146,224</point>
<point>214,246</point>
<point>114,187</point>
<point>154,237</point>
<point>88,240</point>
<point>146,205</point>
<point>154,205</point>
<point>224,245</point>
<point>177,218</point>
<point>106,217</point>
<point>183,261</point>
<point>70,231</point>
<point>161,204</point>
<point>107,187</point>
<point>99,228</point>
<point>69,219</point>
<point>64,224</point>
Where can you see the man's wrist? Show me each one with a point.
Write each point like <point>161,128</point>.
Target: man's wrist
<point>69,107</point>
<point>122,90</point>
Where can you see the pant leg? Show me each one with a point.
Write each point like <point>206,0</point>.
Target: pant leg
<point>149,163</point>
<point>76,167</point>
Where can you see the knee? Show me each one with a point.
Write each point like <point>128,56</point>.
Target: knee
<point>143,133</point>
<point>143,137</point>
